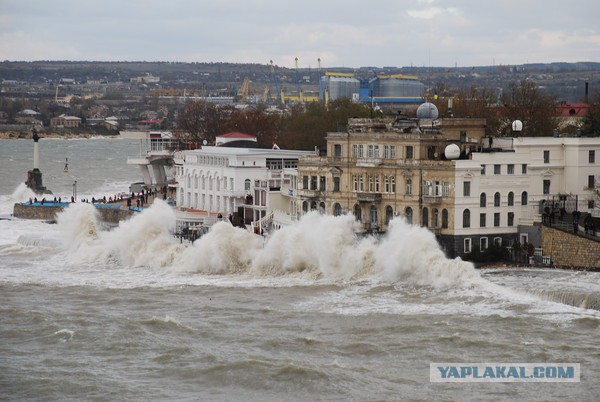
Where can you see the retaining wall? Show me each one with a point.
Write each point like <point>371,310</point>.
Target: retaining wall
<point>568,250</point>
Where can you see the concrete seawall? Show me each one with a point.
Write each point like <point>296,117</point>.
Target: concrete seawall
<point>49,212</point>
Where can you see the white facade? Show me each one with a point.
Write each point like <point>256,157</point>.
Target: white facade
<point>508,186</point>
<point>219,179</point>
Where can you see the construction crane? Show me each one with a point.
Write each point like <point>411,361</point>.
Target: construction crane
<point>276,83</point>
<point>245,88</point>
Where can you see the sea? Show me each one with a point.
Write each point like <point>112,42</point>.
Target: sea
<point>90,312</point>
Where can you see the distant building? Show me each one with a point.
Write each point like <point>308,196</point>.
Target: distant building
<point>145,79</point>
<point>65,121</point>
<point>28,116</point>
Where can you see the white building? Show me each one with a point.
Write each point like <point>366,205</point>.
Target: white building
<point>222,179</point>
<point>501,194</point>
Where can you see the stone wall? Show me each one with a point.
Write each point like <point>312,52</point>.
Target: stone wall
<point>48,213</point>
<point>568,250</point>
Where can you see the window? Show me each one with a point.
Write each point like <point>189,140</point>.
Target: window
<point>444,219</point>
<point>354,182</point>
<point>467,189</point>
<point>445,189</point>
<point>592,156</point>
<point>511,199</point>
<point>510,169</point>
<point>408,187</point>
<point>497,241</point>
<point>481,220</point>
<point>370,151</point>
<point>313,182</point>
<point>466,218</point>
<point>357,212</point>
<point>546,156</point>
<point>524,168</point>
<point>305,182</point>
<point>463,136</point>
<point>483,243</point>
<point>373,215</point>
<point>336,184</point>
<point>497,219</point>
<point>590,204</point>
<point>322,208</point>
<point>393,183</point>
<point>524,198</point>
<point>370,183</point>
<point>376,151</point>
<point>497,199</point>
<point>511,219</point>
<point>305,206</point>
<point>408,213</point>
<point>337,150</point>
<point>409,152</point>
<point>322,183</point>
<point>467,247</point>
<point>546,187</point>
<point>482,198</point>
<point>355,150</point>
<point>483,170</point>
<point>361,183</point>
<point>337,209</point>
<point>389,151</point>
<point>247,184</point>
<point>497,169</point>
<point>361,151</point>
<point>377,184</point>
<point>591,182</point>
<point>386,184</point>
<point>425,220</point>
<point>435,218</point>
<point>392,152</point>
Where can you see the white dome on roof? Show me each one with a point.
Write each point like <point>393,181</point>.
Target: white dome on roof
<point>452,151</point>
<point>427,111</point>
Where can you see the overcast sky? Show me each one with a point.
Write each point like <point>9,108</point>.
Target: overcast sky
<point>342,33</point>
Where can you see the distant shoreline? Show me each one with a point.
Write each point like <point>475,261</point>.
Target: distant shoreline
<point>11,135</point>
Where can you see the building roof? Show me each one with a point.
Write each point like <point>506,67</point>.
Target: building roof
<point>236,134</point>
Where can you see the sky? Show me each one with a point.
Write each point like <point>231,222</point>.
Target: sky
<point>347,33</point>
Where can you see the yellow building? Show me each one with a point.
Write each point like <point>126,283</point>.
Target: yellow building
<point>383,167</point>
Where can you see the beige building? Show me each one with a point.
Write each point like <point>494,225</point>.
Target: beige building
<point>65,121</point>
<point>383,167</point>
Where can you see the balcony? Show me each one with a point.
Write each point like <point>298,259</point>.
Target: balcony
<point>432,199</point>
<point>368,162</point>
<point>309,193</point>
<point>368,197</point>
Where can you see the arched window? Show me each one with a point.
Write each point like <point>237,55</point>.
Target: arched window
<point>524,198</point>
<point>408,187</point>
<point>337,209</point>
<point>444,219</point>
<point>305,206</point>
<point>313,206</point>
<point>482,200</point>
<point>511,199</point>
<point>425,217</point>
<point>389,214</point>
<point>466,218</point>
<point>497,199</point>
<point>247,184</point>
<point>358,212</point>
<point>435,218</point>
<point>322,207</point>
<point>408,213</point>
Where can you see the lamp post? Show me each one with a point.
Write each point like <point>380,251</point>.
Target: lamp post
<point>74,190</point>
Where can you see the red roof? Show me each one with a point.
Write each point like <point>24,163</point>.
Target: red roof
<point>236,134</point>
<point>573,109</point>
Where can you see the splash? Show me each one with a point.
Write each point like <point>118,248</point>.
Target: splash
<point>22,193</point>
<point>315,247</point>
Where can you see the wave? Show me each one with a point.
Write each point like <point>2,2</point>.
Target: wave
<point>317,247</point>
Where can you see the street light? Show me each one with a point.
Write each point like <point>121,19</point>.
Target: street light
<point>74,190</point>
